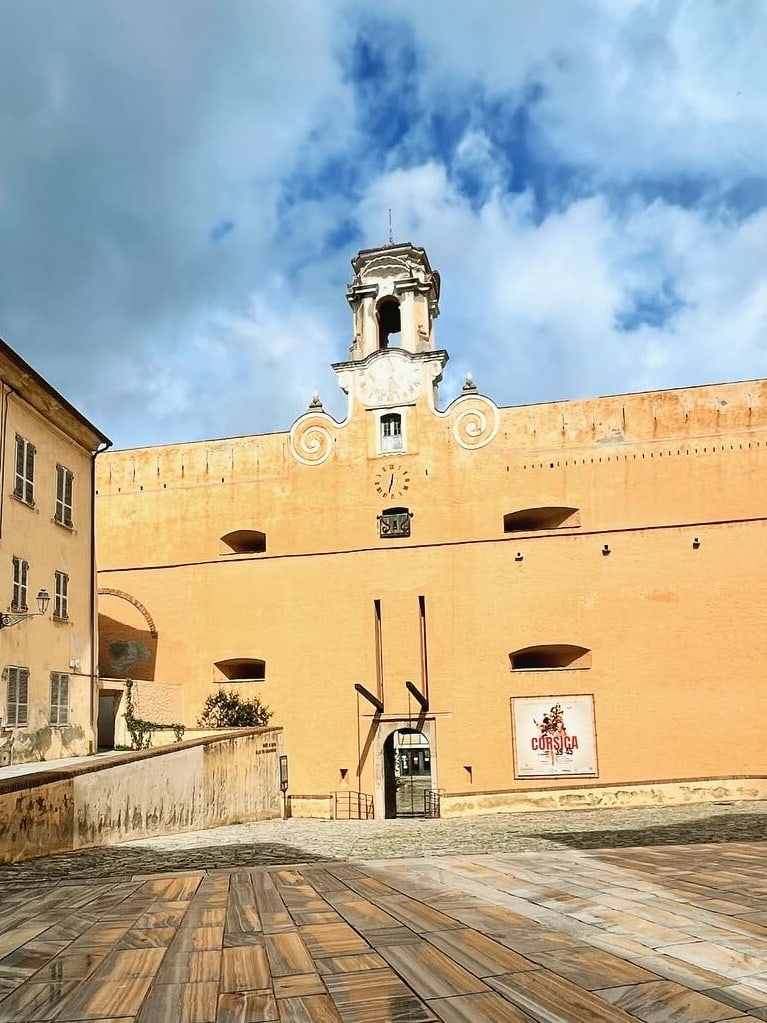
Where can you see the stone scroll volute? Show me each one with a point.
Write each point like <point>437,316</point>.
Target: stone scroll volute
<point>475,421</point>
<point>312,438</point>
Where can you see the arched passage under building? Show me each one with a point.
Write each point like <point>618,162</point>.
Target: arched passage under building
<point>127,649</point>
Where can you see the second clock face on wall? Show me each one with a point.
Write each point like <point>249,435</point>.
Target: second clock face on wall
<point>392,480</point>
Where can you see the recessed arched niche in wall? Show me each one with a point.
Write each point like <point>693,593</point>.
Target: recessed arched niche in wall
<point>242,669</point>
<point>244,541</point>
<point>548,656</point>
<point>127,637</point>
<point>528,520</point>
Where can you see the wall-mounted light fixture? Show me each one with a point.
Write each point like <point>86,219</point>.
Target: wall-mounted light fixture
<point>606,548</point>
<point>469,770</point>
<point>696,542</point>
<point>519,556</point>
<point>9,618</point>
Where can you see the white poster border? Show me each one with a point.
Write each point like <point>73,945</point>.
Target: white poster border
<point>554,699</point>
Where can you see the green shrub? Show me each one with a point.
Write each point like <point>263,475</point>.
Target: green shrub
<point>229,710</point>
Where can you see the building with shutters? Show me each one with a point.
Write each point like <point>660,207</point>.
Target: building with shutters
<point>47,459</point>
<point>481,608</point>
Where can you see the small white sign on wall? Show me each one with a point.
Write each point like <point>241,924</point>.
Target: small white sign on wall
<point>554,736</point>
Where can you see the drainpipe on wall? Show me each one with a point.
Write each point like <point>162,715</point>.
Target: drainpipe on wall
<point>94,607</point>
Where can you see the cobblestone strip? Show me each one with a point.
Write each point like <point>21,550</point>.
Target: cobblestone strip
<point>295,841</point>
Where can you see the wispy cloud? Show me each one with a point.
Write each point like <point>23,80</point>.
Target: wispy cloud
<point>181,188</point>
<point>221,230</point>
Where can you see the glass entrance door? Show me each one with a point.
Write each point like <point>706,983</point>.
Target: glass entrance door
<point>412,772</point>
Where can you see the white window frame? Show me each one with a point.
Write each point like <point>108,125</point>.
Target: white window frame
<point>59,710</point>
<point>17,685</point>
<point>61,596</point>
<point>24,485</point>
<point>20,586</point>
<point>382,445</point>
<point>64,488</point>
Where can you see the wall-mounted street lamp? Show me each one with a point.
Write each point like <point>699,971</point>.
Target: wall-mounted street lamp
<point>9,618</point>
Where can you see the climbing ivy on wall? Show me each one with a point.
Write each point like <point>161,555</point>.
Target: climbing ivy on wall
<point>140,731</point>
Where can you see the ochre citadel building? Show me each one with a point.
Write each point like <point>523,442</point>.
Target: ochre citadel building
<point>554,605</point>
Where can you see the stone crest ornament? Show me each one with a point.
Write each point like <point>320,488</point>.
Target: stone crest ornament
<point>475,420</point>
<point>312,438</point>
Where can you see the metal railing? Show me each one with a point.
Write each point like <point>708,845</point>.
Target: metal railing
<point>353,806</point>
<point>431,798</point>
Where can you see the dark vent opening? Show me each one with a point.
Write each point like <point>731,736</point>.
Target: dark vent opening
<point>245,541</point>
<point>553,655</point>
<point>528,519</point>
<point>243,669</point>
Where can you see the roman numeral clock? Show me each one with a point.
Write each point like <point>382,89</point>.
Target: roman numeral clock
<point>392,481</point>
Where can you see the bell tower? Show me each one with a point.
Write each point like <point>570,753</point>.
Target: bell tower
<point>394,298</point>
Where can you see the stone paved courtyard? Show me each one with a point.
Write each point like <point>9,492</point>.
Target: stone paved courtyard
<point>584,917</point>
<point>293,841</point>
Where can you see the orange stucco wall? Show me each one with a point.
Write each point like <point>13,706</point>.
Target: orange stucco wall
<point>675,630</point>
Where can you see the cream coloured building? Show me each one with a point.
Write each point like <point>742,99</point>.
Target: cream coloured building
<point>47,460</point>
<point>479,607</point>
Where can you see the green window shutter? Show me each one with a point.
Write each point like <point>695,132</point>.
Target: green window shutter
<point>68,481</point>
<point>18,488</point>
<point>59,510</point>
<point>54,715</point>
<point>63,699</point>
<point>23,691</point>
<point>29,486</point>
<point>13,689</point>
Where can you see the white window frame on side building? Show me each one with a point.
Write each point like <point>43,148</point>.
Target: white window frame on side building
<point>61,596</point>
<point>64,487</point>
<point>24,484</point>
<point>59,713</point>
<point>16,707</point>
<point>20,585</point>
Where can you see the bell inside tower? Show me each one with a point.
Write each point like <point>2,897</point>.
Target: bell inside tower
<point>389,322</point>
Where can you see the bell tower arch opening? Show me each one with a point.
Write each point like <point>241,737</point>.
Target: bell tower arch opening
<point>389,321</point>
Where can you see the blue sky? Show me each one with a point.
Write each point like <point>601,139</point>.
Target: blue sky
<point>183,184</point>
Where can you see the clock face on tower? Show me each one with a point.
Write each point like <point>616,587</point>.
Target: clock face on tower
<point>389,380</point>
<point>392,480</point>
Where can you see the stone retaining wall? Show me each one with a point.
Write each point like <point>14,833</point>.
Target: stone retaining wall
<point>605,797</point>
<point>200,783</point>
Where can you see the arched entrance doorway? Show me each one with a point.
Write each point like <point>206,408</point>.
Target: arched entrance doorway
<point>407,773</point>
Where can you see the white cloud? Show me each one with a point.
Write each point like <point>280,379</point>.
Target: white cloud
<point>628,87</point>
<point>534,308</point>
<point>130,133</point>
